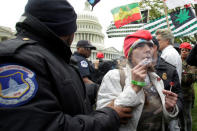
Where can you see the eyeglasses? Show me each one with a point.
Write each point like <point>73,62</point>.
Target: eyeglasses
<point>143,44</point>
<point>183,49</point>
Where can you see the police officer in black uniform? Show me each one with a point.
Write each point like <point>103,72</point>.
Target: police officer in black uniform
<point>170,77</point>
<point>85,68</point>
<point>39,89</point>
<point>168,74</point>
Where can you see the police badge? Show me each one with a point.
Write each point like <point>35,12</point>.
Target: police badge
<point>164,76</point>
<point>84,64</point>
<point>17,85</point>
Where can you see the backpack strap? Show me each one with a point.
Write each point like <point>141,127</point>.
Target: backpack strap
<point>122,77</point>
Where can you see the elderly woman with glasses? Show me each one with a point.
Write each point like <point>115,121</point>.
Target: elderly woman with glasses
<point>143,90</point>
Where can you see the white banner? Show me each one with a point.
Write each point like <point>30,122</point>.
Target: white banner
<point>195,2</point>
<point>171,4</point>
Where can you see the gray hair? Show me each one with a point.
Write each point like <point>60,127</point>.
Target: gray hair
<point>166,34</point>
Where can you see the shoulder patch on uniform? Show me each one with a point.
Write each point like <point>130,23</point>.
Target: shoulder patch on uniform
<point>84,63</point>
<point>17,85</point>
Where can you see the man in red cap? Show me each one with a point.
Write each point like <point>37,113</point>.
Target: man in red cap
<point>99,57</point>
<point>102,67</point>
<point>187,81</point>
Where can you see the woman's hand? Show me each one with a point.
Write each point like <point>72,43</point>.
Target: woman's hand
<point>170,100</point>
<point>124,113</point>
<point>139,73</point>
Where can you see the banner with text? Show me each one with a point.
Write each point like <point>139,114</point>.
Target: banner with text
<point>171,4</point>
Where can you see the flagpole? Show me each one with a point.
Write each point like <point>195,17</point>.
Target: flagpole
<point>166,14</point>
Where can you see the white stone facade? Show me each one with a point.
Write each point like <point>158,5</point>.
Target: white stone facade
<point>5,33</point>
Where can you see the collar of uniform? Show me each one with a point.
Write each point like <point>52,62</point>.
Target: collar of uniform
<point>160,64</point>
<point>33,28</point>
<point>78,54</point>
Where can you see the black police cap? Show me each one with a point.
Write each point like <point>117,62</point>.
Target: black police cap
<point>85,44</point>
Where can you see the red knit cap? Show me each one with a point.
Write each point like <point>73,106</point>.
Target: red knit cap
<point>99,55</point>
<point>186,45</point>
<point>130,39</point>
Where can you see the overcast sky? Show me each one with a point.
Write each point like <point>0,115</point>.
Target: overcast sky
<point>11,10</point>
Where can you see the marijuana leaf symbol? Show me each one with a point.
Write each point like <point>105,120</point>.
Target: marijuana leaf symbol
<point>183,16</point>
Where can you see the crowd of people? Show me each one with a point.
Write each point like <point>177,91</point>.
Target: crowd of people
<point>44,87</point>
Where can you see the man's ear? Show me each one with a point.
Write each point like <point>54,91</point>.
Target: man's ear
<point>78,49</point>
<point>169,42</point>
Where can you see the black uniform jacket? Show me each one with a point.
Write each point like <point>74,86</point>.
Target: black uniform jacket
<point>168,73</point>
<point>60,103</point>
<point>192,57</point>
<point>87,71</point>
<point>83,65</point>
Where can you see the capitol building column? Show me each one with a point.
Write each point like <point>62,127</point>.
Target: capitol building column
<point>80,36</point>
<point>90,37</point>
<point>93,38</point>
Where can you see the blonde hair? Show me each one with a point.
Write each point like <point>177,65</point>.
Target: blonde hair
<point>166,34</point>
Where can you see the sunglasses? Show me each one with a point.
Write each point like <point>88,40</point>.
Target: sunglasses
<point>143,44</point>
<point>187,50</point>
<point>87,49</point>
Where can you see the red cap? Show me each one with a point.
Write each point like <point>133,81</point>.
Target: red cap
<point>130,39</point>
<point>187,5</point>
<point>99,55</point>
<point>185,45</point>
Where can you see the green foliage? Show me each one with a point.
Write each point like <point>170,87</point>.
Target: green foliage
<point>155,8</point>
<point>189,39</point>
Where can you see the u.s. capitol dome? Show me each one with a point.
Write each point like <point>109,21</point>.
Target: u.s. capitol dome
<point>89,28</point>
